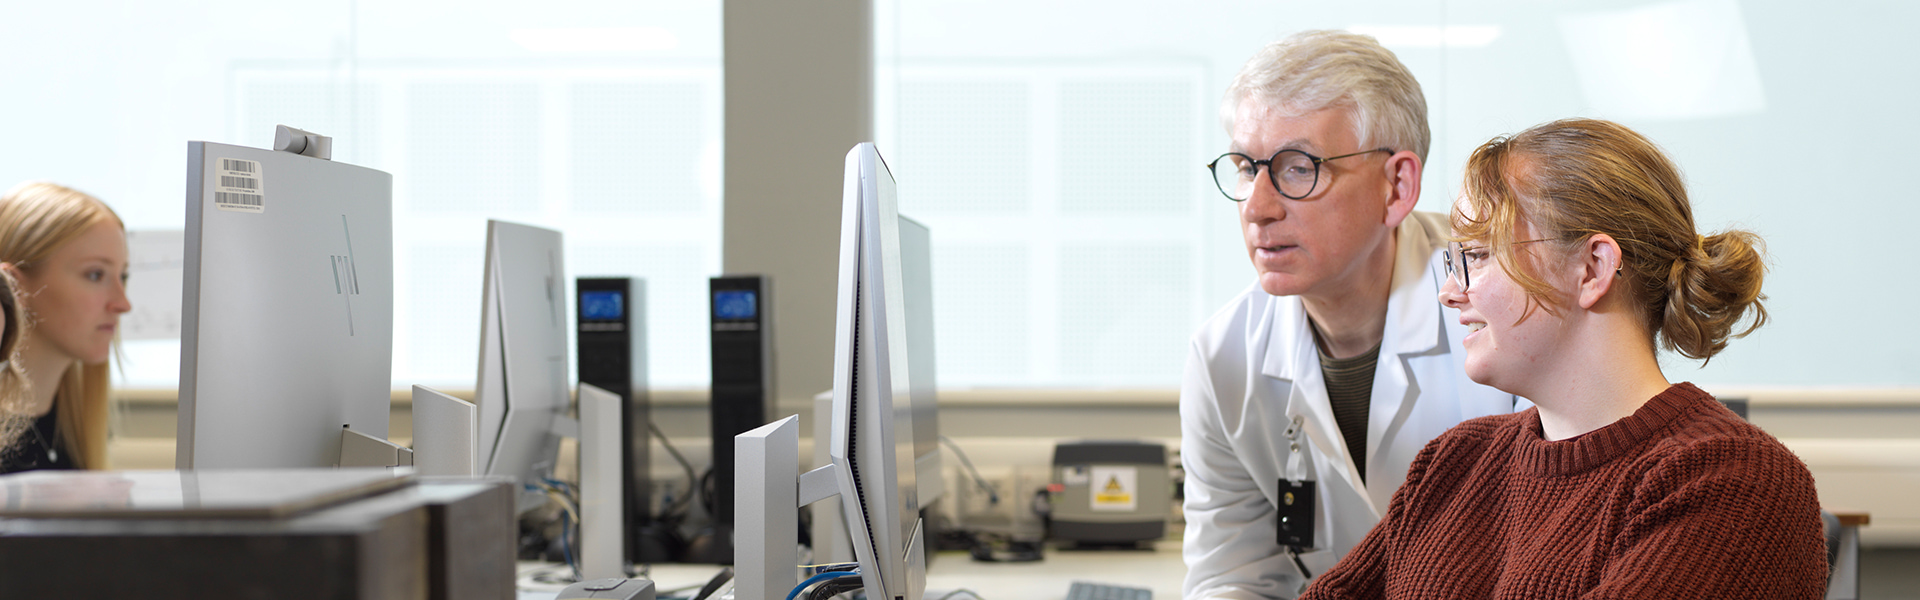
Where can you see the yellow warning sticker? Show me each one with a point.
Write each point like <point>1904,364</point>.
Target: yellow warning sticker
<point>1116,488</point>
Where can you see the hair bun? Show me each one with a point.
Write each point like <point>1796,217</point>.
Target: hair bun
<point>1712,287</point>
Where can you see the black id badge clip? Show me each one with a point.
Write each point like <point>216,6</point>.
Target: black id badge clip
<point>1294,503</point>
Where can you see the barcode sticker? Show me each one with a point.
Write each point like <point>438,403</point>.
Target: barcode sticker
<point>239,186</point>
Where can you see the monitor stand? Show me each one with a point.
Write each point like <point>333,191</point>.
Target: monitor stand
<point>446,435</point>
<point>768,493</point>
<point>603,526</point>
<point>358,449</point>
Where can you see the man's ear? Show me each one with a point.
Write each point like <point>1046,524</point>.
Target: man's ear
<point>1403,186</point>
<point>1599,265</point>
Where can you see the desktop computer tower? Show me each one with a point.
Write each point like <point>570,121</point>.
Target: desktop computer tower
<point>611,338</point>
<point>742,389</point>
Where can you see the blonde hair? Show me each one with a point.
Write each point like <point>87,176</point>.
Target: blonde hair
<point>37,218</point>
<point>1575,178</point>
<point>14,394</point>
<point>1314,70</point>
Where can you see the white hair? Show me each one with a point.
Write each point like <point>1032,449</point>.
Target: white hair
<point>1314,70</point>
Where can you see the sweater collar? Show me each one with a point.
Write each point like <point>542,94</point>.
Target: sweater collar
<point>1601,446</point>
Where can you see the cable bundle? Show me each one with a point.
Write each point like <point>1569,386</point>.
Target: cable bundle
<point>830,584</point>
<point>562,493</point>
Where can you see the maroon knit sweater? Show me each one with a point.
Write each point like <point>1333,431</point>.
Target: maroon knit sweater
<point>1681,499</point>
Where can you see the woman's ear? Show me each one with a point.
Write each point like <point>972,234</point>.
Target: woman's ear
<point>1600,263</point>
<point>19,284</point>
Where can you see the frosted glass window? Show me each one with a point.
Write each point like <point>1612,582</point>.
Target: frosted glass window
<point>990,113</point>
<point>1064,219</point>
<point>1126,145</point>
<point>973,141</point>
<point>443,304</point>
<point>981,336</point>
<point>597,118</point>
<point>1125,247</point>
<point>474,148</point>
<point>637,146</point>
<point>1120,307</point>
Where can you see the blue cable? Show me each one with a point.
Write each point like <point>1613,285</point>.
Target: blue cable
<point>823,577</point>
<point>566,545</point>
<point>834,567</point>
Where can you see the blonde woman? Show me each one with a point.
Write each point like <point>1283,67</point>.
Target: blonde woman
<point>1576,256</point>
<point>68,253</point>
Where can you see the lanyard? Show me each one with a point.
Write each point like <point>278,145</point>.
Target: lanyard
<point>1296,461</point>
<point>1295,516</point>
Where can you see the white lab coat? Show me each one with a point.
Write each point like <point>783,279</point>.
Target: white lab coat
<point>1253,367</point>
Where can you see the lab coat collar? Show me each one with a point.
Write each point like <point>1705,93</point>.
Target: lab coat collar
<point>1413,328</point>
<point>1413,325</point>
<point>1413,319</point>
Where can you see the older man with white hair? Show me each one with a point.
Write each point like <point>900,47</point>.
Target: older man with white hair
<point>1307,396</point>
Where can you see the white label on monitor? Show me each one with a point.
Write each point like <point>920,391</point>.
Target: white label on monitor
<point>1116,488</point>
<point>239,186</point>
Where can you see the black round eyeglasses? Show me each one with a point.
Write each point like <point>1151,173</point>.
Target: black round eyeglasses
<point>1293,173</point>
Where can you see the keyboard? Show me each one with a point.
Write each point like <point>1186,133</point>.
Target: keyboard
<point>1084,590</point>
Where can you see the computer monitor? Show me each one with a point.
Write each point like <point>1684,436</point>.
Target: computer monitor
<point>286,308</point>
<point>522,387</point>
<point>873,440</point>
<point>830,539</point>
<point>873,445</point>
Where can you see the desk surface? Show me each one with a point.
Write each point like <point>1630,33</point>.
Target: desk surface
<point>1160,570</point>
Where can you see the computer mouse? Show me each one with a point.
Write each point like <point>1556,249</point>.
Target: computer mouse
<point>609,588</point>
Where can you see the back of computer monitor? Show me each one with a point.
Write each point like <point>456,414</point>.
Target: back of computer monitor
<point>523,350</point>
<point>872,433</point>
<point>286,308</point>
<point>916,271</point>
